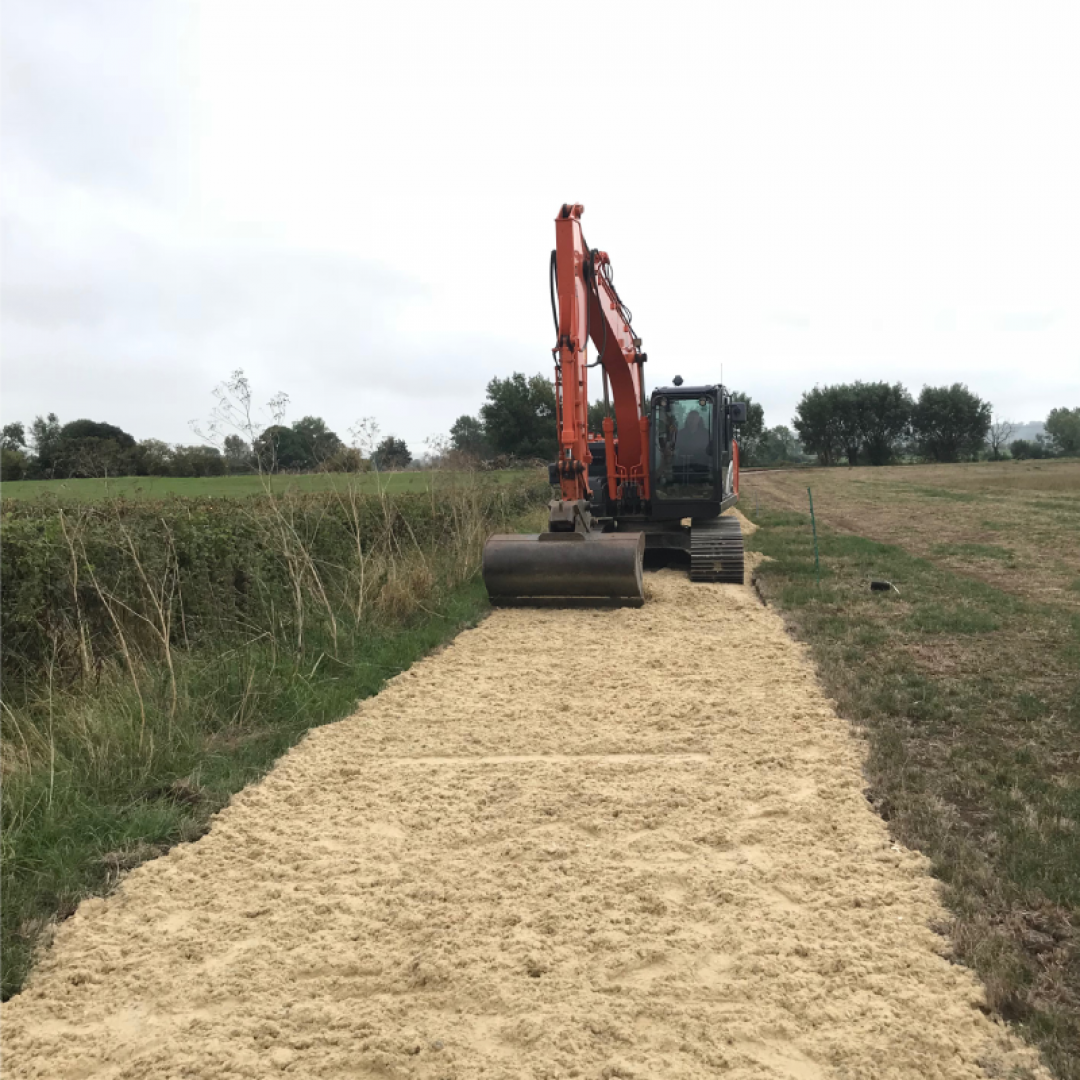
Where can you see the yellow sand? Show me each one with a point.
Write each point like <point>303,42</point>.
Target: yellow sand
<point>595,844</point>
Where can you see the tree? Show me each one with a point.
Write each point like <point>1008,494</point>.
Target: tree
<point>13,437</point>
<point>392,453</point>
<point>950,423</point>
<point>862,421</point>
<point>319,441</point>
<point>598,411</point>
<point>279,447</point>
<point>750,433</point>
<point>94,429</point>
<point>238,454</point>
<point>153,458</point>
<point>45,439</point>
<point>197,461</point>
<point>882,419</point>
<point>1027,448</point>
<point>1063,430</point>
<point>845,401</point>
<point>13,464</point>
<point>519,416</point>
<point>819,425</point>
<point>91,448</point>
<point>347,460</point>
<point>467,436</point>
<point>998,437</point>
<point>777,444</point>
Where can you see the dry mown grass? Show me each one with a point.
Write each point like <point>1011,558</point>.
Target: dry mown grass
<point>967,682</point>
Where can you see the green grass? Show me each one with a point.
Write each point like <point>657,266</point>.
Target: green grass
<point>160,656</point>
<point>970,700</point>
<point>106,804</point>
<point>220,487</point>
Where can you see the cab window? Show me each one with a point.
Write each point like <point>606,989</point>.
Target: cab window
<point>684,449</point>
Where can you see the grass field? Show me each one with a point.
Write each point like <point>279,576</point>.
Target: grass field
<point>965,680</point>
<point>222,487</point>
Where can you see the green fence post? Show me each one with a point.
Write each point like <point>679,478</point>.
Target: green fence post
<point>813,522</point>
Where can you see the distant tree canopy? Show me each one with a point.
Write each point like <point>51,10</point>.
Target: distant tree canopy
<point>950,423</point>
<point>1021,449</point>
<point>749,434</point>
<point>303,445</point>
<point>776,446</point>
<point>92,429</point>
<point>318,440</point>
<point>238,454</point>
<point>467,436</point>
<point>519,416</point>
<point>598,411</point>
<point>392,453</point>
<point>13,437</point>
<point>857,423</point>
<point>1063,430</point>
<point>868,422</point>
<point>13,458</point>
<point>279,447</point>
<point>80,448</point>
<point>197,461</point>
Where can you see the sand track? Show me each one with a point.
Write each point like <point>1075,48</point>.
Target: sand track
<point>595,844</point>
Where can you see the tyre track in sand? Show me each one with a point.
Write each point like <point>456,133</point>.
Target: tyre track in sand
<point>573,843</point>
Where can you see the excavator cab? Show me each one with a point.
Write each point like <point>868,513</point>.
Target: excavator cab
<point>690,454</point>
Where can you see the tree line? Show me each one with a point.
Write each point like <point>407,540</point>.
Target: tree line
<point>89,448</point>
<point>855,423</point>
<point>879,423</point>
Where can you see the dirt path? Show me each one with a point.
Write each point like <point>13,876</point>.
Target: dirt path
<point>595,844</point>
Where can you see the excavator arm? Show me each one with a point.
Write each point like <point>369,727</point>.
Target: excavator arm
<point>581,560</point>
<point>589,307</point>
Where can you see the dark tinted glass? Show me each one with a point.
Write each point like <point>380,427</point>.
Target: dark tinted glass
<point>684,450</point>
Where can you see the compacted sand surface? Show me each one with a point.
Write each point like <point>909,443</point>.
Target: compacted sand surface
<point>572,844</point>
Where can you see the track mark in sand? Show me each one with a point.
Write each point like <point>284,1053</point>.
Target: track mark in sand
<point>783,1059</point>
<point>223,961</point>
<point>473,878</point>
<point>549,759</point>
<point>643,973</point>
<point>705,969</point>
<point>714,970</point>
<point>386,830</point>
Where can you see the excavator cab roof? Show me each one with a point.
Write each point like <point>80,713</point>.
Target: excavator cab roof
<point>678,390</point>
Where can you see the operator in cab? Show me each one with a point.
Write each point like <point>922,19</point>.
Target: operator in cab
<point>694,437</point>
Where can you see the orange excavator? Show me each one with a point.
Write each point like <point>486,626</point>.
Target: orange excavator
<point>657,477</point>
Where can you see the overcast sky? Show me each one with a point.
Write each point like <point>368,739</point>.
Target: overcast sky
<point>354,201</point>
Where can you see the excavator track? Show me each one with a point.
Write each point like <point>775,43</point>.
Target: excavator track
<point>716,550</point>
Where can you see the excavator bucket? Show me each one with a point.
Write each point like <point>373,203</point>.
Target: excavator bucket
<point>566,569</point>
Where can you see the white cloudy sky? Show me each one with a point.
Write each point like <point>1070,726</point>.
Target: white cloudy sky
<point>354,201</point>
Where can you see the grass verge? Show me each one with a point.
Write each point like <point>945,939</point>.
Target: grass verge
<point>158,657</point>
<point>970,700</point>
<point>71,830</point>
